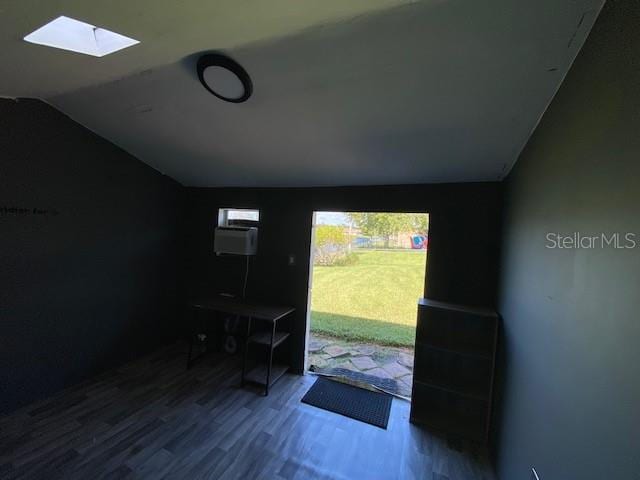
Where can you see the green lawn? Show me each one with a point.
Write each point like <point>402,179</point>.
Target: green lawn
<point>374,299</point>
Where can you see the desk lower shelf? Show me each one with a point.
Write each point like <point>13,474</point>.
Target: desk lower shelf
<point>264,338</point>
<point>258,375</point>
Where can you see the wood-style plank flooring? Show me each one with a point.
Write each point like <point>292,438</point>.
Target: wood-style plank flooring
<point>153,419</point>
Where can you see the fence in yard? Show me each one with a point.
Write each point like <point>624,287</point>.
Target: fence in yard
<point>408,241</point>
<point>336,245</point>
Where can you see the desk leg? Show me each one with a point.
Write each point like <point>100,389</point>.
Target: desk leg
<point>246,352</point>
<point>191,335</point>
<point>273,335</point>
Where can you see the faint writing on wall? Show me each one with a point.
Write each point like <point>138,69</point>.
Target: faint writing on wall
<point>21,211</point>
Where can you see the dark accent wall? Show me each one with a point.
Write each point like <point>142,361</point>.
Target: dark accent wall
<point>571,360</point>
<point>90,241</point>
<point>463,240</point>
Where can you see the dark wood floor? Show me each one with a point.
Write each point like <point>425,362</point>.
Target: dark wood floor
<point>152,419</point>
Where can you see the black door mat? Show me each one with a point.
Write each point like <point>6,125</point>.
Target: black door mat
<point>388,385</point>
<point>357,403</point>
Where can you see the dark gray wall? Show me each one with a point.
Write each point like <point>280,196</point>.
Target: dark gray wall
<point>89,245</point>
<point>571,396</point>
<point>463,240</point>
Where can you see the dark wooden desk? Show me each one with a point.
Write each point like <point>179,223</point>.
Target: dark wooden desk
<point>263,375</point>
<point>244,308</point>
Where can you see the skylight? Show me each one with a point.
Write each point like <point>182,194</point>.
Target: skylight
<point>76,36</point>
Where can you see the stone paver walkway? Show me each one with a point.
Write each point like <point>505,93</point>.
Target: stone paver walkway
<point>378,360</point>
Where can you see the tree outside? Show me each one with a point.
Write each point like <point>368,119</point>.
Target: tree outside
<point>385,225</point>
<point>331,245</point>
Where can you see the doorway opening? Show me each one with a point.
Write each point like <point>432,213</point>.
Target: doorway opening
<point>367,272</point>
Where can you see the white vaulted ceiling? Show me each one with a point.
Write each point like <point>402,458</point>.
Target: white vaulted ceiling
<point>345,92</point>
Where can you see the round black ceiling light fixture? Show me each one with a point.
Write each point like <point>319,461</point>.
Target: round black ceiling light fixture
<point>224,78</point>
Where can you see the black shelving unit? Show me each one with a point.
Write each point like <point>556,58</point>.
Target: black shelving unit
<point>268,373</point>
<point>454,368</point>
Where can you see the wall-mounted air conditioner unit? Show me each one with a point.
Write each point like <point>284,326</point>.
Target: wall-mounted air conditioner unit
<point>236,240</point>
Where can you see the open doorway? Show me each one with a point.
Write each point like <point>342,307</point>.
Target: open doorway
<point>367,273</point>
